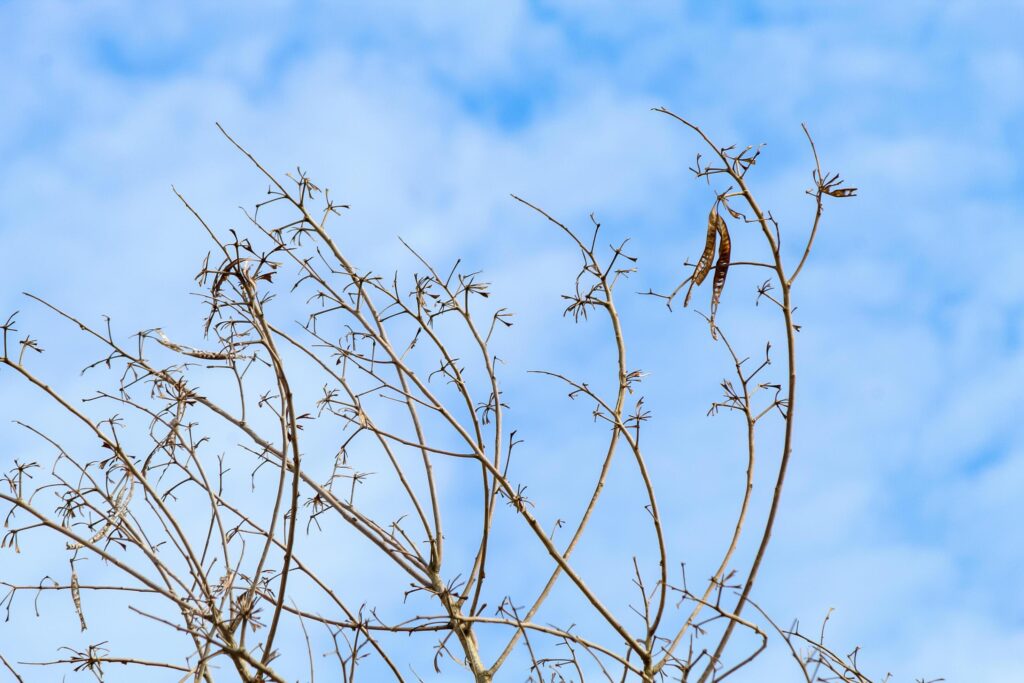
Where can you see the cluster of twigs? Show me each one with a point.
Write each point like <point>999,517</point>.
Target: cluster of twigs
<point>400,372</point>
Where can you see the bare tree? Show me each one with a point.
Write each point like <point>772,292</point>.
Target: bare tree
<point>393,377</point>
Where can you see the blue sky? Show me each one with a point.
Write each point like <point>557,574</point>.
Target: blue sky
<point>904,504</point>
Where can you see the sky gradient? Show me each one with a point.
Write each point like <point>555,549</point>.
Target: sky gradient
<point>905,504</point>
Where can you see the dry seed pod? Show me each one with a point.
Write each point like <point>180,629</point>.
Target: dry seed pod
<point>76,597</point>
<point>189,351</point>
<point>721,269</point>
<point>120,507</point>
<point>703,267</point>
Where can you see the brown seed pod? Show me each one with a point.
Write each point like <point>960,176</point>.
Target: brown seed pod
<point>721,269</point>
<point>703,267</point>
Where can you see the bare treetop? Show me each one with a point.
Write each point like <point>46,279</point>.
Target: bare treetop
<point>229,480</point>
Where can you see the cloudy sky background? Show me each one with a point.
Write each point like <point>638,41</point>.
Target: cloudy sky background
<point>905,500</point>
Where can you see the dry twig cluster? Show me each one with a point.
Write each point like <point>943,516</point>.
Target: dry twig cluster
<point>405,372</point>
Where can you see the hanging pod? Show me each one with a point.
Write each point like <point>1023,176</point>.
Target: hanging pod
<point>721,267</point>
<point>718,232</point>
